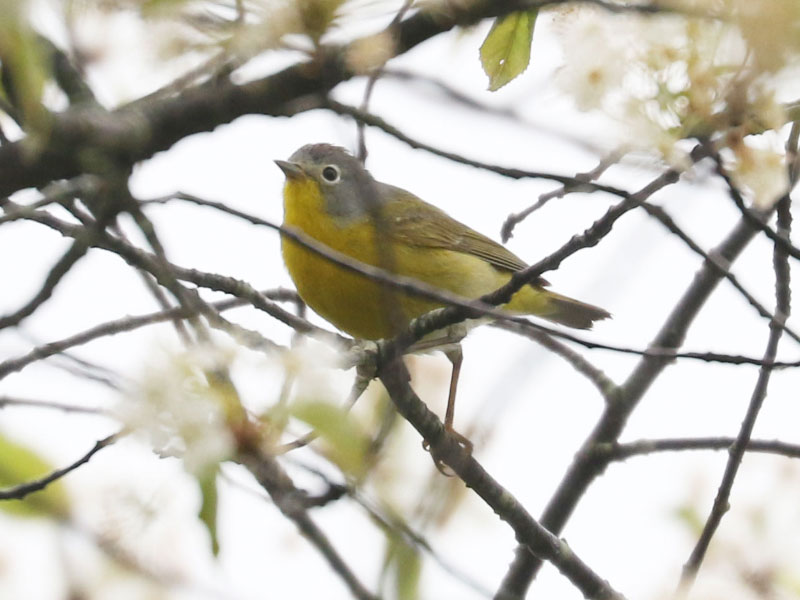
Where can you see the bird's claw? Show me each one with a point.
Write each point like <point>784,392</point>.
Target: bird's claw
<point>461,440</point>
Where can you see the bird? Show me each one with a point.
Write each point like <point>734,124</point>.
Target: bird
<point>332,198</point>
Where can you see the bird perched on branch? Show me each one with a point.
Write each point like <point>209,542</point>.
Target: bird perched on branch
<point>332,198</point>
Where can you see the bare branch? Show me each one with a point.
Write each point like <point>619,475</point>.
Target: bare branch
<point>597,377</point>
<point>514,219</point>
<point>393,524</point>
<point>586,466</point>
<point>290,501</point>
<point>157,293</point>
<point>136,132</point>
<point>620,452</point>
<point>662,217</point>
<point>574,184</point>
<point>20,491</point>
<point>748,213</point>
<point>441,318</point>
<point>112,328</point>
<point>68,408</point>
<point>443,446</point>
<point>738,448</point>
<point>57,272</point>
<point>140,259</point>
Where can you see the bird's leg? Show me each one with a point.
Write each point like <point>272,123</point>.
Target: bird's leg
<point>456,356</point>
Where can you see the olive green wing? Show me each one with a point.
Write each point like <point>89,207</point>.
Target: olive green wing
<point>414,222</point>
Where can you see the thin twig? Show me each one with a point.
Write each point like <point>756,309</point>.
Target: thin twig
<point>446,449</point>
<point>85,370</point>
<point>586,467</point>
<point>738,448</point>
<point>620,452</point>
<point>748,213</point>
<point>68,75</point>
<point>105,329</point>
<point>393,524</point>
<point>514,219</point>
<point>373,79</point>
<point>440,319</point>
<point>49,404</point>
<point>596,376</point>
<point>230,285</point>
<point>76,251</point>
<point>572,183</point>
<point>289,500</point>
<point>20,491</point>
<point>247,337</point>
<point>667,221</point>
<point>194,304</point>
<point>157,292</point>
<point>454,94</point>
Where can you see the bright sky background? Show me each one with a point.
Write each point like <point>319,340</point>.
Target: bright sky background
<point>539,410</point>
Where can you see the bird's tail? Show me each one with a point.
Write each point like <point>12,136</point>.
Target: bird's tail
<point>557,308</point>
<point>573,313</point>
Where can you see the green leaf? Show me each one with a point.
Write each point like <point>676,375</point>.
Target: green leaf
<point>408,567</point>
<point>506,51</point>
<point>402,565</point>
<point>346,443</point>
<point>25,71</point>
<point>318,16</point>
<point>208,508</point>
<point>19,464</point>
<point>690,517</point>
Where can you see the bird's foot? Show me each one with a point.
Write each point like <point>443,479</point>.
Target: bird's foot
<point>465,444</point>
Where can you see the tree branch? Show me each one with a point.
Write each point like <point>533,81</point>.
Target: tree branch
<point>68,408</point>
<point>620,452</point>
<point>289,500</point>
<point>572,183</point>
<point>535,538</point>
<point>137,131</point>
<point>13,365</point>
<point>586,466</point>
<point>441,318</point>
<point>658,213</point>
<point>738,448</point>
<point>57,272</point>
<point>20,491</point>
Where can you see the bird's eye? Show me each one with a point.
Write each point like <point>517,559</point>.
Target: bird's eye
<point>330,174</point>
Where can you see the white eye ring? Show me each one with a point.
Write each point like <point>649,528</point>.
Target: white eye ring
<point>331,174</point>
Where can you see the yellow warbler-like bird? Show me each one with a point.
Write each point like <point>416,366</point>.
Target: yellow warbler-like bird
<point>332,198</point>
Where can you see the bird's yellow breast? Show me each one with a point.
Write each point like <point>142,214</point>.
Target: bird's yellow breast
<point>358,305</point>
<point>352,302</point>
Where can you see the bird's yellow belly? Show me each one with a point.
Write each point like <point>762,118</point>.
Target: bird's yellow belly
<point>352,302</point>
<point>358,305</point>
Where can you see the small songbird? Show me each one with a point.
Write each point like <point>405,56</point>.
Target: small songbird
<point>332,198</point>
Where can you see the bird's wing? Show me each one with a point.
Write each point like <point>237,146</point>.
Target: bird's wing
<point>414,222</point>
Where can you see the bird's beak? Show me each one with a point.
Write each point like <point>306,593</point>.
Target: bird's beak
<point>290,169</point>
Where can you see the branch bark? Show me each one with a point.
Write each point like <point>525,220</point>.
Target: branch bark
<point>537,540</point>
<point>83,137</point>
<point>587,465</point>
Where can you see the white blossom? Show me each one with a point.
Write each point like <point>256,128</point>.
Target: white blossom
<point>593,61</point>
<point>762,172</point>
<point>178,411</point>
<point>668,78</point>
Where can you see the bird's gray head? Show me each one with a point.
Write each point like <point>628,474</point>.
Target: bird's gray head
<point>348,188</point>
